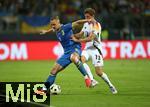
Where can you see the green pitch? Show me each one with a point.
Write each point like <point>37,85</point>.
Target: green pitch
<point>131,78</point>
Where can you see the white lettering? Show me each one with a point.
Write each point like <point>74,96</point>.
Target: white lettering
<point>139,50</point>
<point>58,50</point>
<point>4,55</point>
<point>113,46</point>
<point>148,48</point>
<point>104,50</point>
<point>18,52</point>
<point>125,50</point>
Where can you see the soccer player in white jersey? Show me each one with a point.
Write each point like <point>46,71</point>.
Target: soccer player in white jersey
<point>93,49</point>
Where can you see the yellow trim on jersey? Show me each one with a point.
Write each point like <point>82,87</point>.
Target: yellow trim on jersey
<point>96,26</point>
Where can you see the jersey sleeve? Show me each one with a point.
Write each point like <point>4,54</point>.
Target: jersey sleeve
<point>97,31</point>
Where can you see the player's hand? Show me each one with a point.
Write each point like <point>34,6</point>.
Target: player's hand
<point>75,39</point>
<point>42,32</point>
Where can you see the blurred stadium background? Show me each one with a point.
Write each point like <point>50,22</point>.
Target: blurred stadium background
<point>116,16</point>
<point>126,36</point>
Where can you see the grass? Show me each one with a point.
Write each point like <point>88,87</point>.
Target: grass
<point>131,78</point>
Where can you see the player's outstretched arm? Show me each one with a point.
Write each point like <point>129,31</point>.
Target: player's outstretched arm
<point>42,32</point>
<point>79,22</point>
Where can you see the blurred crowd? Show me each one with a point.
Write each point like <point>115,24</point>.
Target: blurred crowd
<point>72,7</point>
<point>107,11</point>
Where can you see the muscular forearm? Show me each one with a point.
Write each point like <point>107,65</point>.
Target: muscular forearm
<point>49,30</point>
<point>79,22</point>
<point>87,39</point>
<point>46,31</point>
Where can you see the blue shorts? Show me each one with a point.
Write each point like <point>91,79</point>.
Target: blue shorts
<point>64,60</point>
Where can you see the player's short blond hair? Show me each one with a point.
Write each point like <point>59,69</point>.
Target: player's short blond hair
<point>89,11</point>
<point>54,17</point>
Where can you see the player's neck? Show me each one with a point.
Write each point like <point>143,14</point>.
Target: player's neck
<point>59,28</point>
<point>93,20</point>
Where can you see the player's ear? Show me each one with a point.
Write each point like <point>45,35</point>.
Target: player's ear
<point>58,21</point>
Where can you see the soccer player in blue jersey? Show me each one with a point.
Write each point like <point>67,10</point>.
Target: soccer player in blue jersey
<point>72,50</point>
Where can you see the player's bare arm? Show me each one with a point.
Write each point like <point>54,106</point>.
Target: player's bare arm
<point>42,32</point>
<point>87,39</point>
<point>79,22</point>
<point>78,35</point>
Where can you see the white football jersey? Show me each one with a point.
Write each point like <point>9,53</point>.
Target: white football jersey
<point>96,29</point>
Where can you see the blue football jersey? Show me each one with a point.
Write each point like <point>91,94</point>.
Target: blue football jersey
<point>64,36</point>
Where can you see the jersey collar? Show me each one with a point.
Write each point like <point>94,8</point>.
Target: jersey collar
<point>60,28</point>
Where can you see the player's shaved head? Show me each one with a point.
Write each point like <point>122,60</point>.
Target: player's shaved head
<point>55,22</point>
<point>89,11</point>
<point>54,17</point>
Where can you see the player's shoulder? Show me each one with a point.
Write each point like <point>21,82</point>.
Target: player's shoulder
<point>98,23</point>
<point>67,24</point>
<point>86,24</point>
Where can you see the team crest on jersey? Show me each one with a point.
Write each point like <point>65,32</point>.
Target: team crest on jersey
<point>62,32</point>
<point>76,49</point>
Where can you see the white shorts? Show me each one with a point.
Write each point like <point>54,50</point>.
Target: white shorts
<point>94,55</point>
